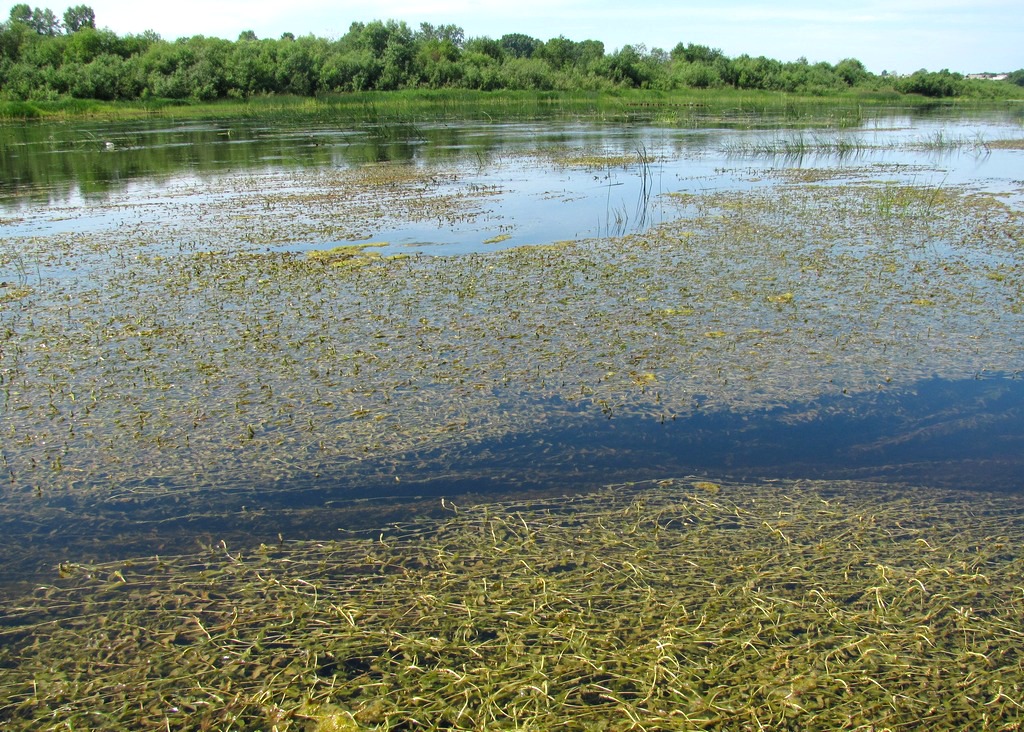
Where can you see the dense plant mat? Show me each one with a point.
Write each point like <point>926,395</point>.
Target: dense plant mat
<point>151,369</point>
<point>672,605</point>
<point>182,354</point>
<point>144,368</point>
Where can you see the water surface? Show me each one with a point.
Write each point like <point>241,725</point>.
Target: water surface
<point>187,436</point>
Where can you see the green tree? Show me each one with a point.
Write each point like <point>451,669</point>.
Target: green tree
<point>298,65</point>
<point>137,44</point>
<point>451,33</point>
<point>189,68</point>
<point>375,36</point>
<point>699,75</point>
<point>480,70</point>
<point>398,66</point>
<point>851,71</point>
<point>43,51</point>
<point>757,73</point>
<point>518,45</point>
<point>163,68</point>
<point>251,67</point>
<point>526,73</point>
<point>350,69</point>
<point>107,77</point>
<point>87,43</point>
<point>590,54</point>
<point>700,67</point>
<point>438,63</point>
<point>559,52</point>
<point>21,13</point>
<point>627,67</point>
<point>486,46</point>
<point>44,22</point>
<point>22,81</point>
<point>693,53</point>
<point>932,83</point>
<point>78,17</point>
<point>14,35</point>
<point>800,76</point>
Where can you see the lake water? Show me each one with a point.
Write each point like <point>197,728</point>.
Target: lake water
<point>546,182</point>
<point>167,191</point>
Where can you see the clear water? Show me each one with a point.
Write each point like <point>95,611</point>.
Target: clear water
<point>51,176</point>
<point>966,433</point>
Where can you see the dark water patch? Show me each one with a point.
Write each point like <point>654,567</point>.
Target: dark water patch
<point>953,433</point>
<point>963,434</point>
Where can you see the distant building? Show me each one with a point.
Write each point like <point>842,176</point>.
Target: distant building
<point>989,77</point>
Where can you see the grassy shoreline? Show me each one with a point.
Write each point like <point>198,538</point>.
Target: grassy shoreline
<point>470,104</point>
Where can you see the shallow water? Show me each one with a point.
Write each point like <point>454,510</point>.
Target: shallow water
<point>967,434</point>
<point>953,419</point>
<point>544,181</point>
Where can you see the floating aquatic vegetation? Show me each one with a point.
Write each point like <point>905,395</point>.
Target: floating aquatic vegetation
<point>161,365</point>
<point>1006,144</point>
<point>231,364</point>
<point>594,160</point>
<point>497,238</point>
<point>347,255</point>
<point>10,292</point>
<point>679,604</point>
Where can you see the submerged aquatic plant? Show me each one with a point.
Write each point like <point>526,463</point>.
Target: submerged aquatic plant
<point>681,603</point>
<point>202,359</point>
<point>241,366</point>
<point>345,255</point>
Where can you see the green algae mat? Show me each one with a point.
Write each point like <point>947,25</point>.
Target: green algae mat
<point>680,604</point>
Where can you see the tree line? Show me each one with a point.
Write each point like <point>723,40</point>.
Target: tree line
<point>46,57</point>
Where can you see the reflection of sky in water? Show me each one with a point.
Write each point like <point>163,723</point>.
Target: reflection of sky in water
<point>541,202</point>
<point>538,201</point>
<point>965,433</point>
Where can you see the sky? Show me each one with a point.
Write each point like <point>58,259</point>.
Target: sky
<point>899,36</point>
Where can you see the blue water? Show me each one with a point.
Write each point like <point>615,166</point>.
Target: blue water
<point>958,434</point>
<point>966,434</point>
